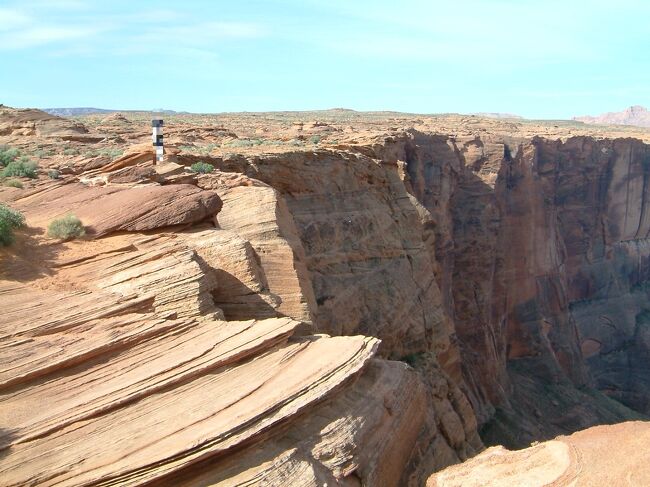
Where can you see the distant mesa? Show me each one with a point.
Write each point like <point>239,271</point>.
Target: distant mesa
<point>498,115</point>
<point>78,111</point>
<point>73,112</point>
<point>635,115</point>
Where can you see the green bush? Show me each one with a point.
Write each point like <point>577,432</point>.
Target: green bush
<point>53,174</point>
<point>110,152</point>
<point>202,168</point>
<point>9,221</point>
<point>314,139</point>
<point>43,153</point>
<point>204,150</point>
<point>8,154</point>
<point>243,143</point>
<point>66,228</point>
<point>22,167</point>
<point>13,183</point>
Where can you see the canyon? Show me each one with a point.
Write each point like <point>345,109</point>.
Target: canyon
<point>346,299</point>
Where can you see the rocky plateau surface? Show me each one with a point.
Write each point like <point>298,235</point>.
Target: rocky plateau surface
<point>346,299</point>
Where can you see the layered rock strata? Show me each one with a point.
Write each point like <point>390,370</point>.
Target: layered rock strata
<point>585,459</point>
<point>182,340</point>
<point>156,367</point>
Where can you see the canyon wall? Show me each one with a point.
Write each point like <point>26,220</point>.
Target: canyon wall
<point>353,314</point>
<point>517,265</point>
<point>542,247</point>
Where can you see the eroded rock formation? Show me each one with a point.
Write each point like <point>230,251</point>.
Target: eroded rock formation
<point>350,314</point>
<point>584,459</point>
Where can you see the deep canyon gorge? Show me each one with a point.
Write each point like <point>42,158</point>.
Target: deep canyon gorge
<point>346,299</point>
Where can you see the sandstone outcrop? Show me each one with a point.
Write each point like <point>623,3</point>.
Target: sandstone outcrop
<point>143,378</point>
<point>350,309</point>
<point>123,337</point>
<point>528,236</point>
<point>28,122</point>
<point>111,209</point>
<point>582,459</point>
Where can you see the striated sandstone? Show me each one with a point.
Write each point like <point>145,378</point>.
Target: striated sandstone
<point>110,209</point>
<point>585,459</point>
<point>509,272</point>
<point>30,122</point>
<point>123,339</point>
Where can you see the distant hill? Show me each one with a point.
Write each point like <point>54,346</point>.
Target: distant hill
<point>635,115</point>
<point>76,111</point>
<point>498,115</point>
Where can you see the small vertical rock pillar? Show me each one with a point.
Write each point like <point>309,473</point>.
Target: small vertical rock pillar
<point>157,136</point>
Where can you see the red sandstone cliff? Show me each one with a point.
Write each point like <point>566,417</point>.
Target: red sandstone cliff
<point>350,314</point>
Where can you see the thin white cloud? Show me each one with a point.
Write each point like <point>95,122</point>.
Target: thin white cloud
<point>489,34</point>
<point>24,27</point>
<point>42,35</point>
<point>11,19</point>
<point>56,26</point>
<point>199,33</point>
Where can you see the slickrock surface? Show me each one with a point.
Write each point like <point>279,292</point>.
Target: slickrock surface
<point>103,382</point>
<point>111,209</point>
<point>346,299</point>
<point>602,455</point>
<point>16,122</point>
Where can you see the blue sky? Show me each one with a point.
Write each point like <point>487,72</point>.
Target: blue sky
<point>539,59</point>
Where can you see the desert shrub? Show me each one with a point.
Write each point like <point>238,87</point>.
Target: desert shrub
<point>8,154</point>
<point>314,139</point>
<point>53,174</point>
<point>110,152</point>
<point>43,153</point>
<point>243,143</point>
<point>412,359</point>
<point>66,228</point>
<point>204,150</point>
<point>21,167</point>
<point>202,168</point>
<point>13,183</point>
<point>70,152</point>
<point>9,221</point>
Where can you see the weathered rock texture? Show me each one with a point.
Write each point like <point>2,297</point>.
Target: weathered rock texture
<point>254,325</point>
<point>517,233</point>
<point>486,245</point>
<point>538,244</point>
<point>186,353</point>
<point>26,122</point>
<point>584,459</point>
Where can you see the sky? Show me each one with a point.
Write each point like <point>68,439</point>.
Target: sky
<point>539,59</point>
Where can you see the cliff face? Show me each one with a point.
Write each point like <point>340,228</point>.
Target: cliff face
<point>506,261</point>
<point>368,253</point>
<point>542,248</point>
<point>348,315</point>
<point>602,192</point>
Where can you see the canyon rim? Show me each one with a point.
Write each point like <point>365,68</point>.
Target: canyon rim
<point>335,298</point>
